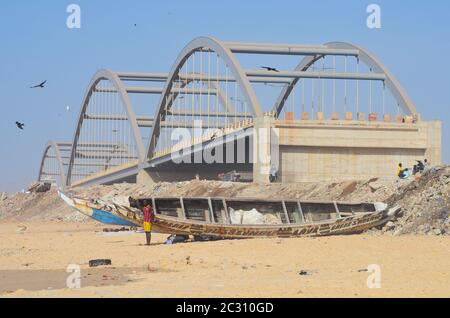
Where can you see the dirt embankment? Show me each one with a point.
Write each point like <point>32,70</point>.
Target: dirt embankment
<point>37,207</point>
<point>424,200</point>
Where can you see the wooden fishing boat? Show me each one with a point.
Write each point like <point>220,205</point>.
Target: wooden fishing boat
<point>216,217</point>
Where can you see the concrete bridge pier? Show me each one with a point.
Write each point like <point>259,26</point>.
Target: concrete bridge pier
<point>264,149</point>
<point>144,177</point>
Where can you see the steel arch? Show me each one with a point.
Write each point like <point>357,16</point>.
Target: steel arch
<point>117,83</point>
<point>211,85</point>
<point>367,58</point>
<point>208,43</point>
<point>48,146</point>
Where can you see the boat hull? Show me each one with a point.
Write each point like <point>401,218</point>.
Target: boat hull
<point>115,214</point>
<point>342,226</point>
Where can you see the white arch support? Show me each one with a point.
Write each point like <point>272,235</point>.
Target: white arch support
<point>58,157</point>
<point>392,84</point>
<point>202,43</point>
<point>118,85</point>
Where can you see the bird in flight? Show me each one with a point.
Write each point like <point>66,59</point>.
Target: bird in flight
<point>41,85</point>
<point>20,125</point>
<point>272,69</point>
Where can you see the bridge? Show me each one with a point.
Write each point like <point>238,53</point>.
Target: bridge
<point>336,111</point>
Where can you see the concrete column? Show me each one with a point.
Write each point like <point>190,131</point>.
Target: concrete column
<point>261,149</point>
<point>434,141</point>
<point>144,177</point>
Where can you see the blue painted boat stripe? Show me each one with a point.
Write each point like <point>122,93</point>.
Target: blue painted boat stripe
<point>108,218</point>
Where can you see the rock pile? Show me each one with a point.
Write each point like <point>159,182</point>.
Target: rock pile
<point>425,203</point>
<point>31,206</point>
<point>40,187</point>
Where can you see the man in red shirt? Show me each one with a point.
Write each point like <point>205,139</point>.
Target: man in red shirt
<point>149,217</point>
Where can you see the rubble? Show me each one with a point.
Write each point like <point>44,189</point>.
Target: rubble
<point>40,187</point>
<point>425,202</point>
<point>38,207</point>
<point>389,226</point>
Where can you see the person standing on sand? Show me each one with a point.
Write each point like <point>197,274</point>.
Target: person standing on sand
<point>149,217</point>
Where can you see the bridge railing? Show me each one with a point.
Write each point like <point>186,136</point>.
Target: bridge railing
<point>210,134</point>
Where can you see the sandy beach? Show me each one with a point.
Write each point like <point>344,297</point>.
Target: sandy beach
<point>34,258</point>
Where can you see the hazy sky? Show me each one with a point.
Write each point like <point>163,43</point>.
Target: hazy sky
<point>36,45</point>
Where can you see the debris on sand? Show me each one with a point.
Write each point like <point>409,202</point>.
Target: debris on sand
<point>122,229</point>
<point>100,262</point>
<point>21,229</point>
<point>176,238</point>
<point>151,269</point>
<point>362,270</point>
<point>303,273</point>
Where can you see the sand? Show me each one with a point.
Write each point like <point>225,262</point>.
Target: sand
<point>33,263</point>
